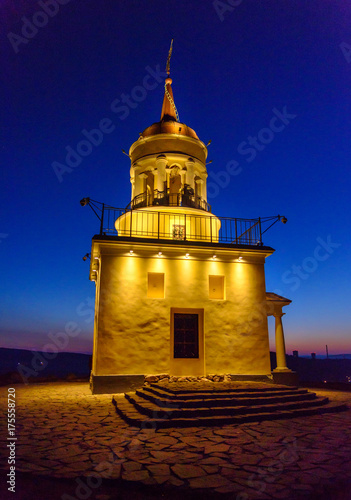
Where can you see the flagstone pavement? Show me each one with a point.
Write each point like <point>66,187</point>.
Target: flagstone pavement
<point>63,431</point>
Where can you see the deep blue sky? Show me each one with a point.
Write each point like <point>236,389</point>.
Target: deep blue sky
<point>228,75</point>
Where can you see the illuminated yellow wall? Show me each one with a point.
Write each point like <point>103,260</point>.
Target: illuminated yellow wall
<point>133,331</point>
<point>158,222</point>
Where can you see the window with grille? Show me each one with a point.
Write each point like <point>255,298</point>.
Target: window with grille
<point>178,232</point>
<point>186,335</point>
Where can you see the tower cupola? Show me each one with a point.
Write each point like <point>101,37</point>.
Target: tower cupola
<point>168,176</point>
<point>169,161</point>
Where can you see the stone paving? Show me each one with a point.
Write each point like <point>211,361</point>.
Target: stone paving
<point>63,431</point>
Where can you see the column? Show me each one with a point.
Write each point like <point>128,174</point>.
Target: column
<point>204,186</point>
<point>190,164</point>
<point>132,181</point>
<point>138,184</point>
<point>142,185</point>
<point>199,202</point>
<point>198,187</point>
<point>161,162</point>
<point>280,343</point>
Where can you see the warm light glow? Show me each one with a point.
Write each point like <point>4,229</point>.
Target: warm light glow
<point>214,256</point>
<point>216,287</point>
<point>142,291</point>
<point>181,222</point>
<point>131,252</point>
<point>159,254</point>
<point>240,259</point>
<point>241,276</point>
<point>156,286</point>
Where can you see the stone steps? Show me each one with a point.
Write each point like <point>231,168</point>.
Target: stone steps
<point>200,391</point>
<point>158,406</point>
<point>177,410</point>
<point>162,399</point>
<point>193,389</point>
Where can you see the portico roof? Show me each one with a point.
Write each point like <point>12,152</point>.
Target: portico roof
<point>274,297</point>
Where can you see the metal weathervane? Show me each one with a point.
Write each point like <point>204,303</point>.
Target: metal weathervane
<point>168,70</point>
<point>169,58</point>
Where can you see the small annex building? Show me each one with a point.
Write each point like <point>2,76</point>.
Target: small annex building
<point>178,290</point>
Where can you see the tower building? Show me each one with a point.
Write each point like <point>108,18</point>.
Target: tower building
<point>179,290</point>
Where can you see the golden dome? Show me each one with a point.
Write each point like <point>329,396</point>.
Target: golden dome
<point>169,123</point>
<point>169,127</point>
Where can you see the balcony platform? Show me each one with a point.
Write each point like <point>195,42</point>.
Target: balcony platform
<point>179,243</point>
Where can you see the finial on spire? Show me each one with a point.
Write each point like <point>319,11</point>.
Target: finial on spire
<point>169,110</point>
<point>169,58</point>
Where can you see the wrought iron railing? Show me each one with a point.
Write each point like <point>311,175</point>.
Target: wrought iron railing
<point>166,198</point>
<point>168,225</point>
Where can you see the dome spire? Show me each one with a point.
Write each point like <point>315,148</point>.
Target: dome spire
<point>169,111</point>
<point>169,58</point>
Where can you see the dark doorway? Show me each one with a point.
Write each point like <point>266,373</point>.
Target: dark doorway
<point>186,335</point>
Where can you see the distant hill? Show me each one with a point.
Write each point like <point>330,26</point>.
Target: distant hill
<point>29,362</point>
<point>36,366</point>
<point>339,356</point>
<point>330,356</point>
<point>333,369</point>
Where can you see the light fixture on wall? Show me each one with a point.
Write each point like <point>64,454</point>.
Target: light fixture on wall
<point>125,153</point>
<point>84,201</point>
<point>187,256</point>
<point>240,259</point>
<point>159,254</point>
<point>86,256</point>
<point>214,257</point>
<point>131,252</point>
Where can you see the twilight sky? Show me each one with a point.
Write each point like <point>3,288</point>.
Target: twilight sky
<point>267,82</point>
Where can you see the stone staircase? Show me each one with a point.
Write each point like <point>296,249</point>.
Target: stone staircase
<point>209,404</point>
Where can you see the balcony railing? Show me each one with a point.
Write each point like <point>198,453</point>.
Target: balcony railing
<point>168,225</point>
<point>166,198</point>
